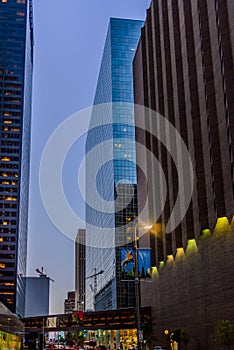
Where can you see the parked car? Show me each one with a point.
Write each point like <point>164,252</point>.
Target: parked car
<point>159,347</point>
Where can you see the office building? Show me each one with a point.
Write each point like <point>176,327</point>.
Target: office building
<point>69,303</point>
<point>80,270</point>
<point>16,59</point>
<point>183,69</point>
<point>116,178</point>
<point>37,296</point>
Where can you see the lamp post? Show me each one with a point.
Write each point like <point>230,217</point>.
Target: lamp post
<point>137,286</point>
<point>138,324</point>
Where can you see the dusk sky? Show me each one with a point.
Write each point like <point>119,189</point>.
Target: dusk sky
<point>69,40</point>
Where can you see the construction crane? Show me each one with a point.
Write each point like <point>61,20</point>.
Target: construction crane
<point>42,274</point>
<point>94,276</point>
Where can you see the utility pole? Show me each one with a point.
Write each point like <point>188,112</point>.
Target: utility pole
<point>137,291</point>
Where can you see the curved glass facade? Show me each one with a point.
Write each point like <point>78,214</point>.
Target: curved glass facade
<point>116,178</point>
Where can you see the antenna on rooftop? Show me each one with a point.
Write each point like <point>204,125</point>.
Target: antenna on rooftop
<point>42,274</point>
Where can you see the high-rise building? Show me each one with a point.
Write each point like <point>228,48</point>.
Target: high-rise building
<point>116,178</point>
<point>16,59</point>
<point>37,296</point>
<point>184,70</point>
<point>80,270</point>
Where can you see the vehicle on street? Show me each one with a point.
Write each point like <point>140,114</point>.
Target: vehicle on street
<point>159,347</point>
<point>59,346</point>
<point>49,346</point>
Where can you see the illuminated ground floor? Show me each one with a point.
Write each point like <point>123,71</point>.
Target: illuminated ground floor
<point>11,330</point>
<point>113,339</point>
<point>9,341</point>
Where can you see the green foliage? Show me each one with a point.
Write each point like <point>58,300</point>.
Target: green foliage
<point>184,336</point>
<point>74,338</point>
<point>180,335</point>
<point>69,338</point>
<point>224,333</point>
<point>61,339</point>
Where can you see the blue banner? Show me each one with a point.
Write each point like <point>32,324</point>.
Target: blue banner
<point>144,264</point>
<point>128,263</point>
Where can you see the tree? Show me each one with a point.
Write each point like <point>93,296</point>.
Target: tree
<point>224,333</point>
<point>181,336</point>
<point>69,338</point>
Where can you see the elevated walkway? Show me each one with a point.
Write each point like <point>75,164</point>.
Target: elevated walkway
<point>74,322</point>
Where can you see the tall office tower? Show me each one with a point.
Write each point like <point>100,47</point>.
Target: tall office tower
<point>80,270</point>
<point>16,59</point>
<point>116,178</point>
<point>183,69</point>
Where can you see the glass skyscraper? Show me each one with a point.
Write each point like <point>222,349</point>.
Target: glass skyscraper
<point>116,178</point>
<point>16,59</point>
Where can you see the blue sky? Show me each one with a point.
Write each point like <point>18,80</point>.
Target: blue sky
<point>69,39</point>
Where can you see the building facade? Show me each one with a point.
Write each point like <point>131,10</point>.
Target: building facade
<point>70,302</point>
<point>37,296</point>
<point>116,178</point>
<point>16,59</point>
<point>80,270</point>
<point>183,69</point>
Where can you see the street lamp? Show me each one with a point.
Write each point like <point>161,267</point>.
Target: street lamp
<point>137,285</point>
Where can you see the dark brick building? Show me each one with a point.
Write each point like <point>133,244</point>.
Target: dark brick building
<point>183,69</point>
